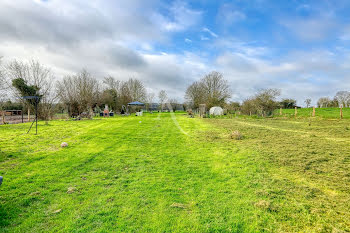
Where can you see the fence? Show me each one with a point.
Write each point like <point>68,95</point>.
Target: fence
<point>334,113</point>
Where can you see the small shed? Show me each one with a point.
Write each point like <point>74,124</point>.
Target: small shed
<point>216,111</point>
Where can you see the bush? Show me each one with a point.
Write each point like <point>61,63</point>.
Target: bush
<point>262,104</point>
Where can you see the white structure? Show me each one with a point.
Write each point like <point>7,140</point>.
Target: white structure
<point>216,111</point>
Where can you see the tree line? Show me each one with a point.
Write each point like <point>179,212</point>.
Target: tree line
<point>82,93</point>
<point>76,94</point>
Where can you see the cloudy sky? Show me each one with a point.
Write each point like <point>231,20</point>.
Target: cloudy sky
<point>301,47</point>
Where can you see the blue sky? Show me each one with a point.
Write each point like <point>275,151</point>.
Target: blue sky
<point>300,47</point>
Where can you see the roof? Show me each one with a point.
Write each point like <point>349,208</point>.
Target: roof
<point>137,103</point>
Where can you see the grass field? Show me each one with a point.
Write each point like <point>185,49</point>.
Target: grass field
<point>157,174</point>
<point>328,113</point>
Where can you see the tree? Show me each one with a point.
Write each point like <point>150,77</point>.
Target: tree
<point>324,102</point>
<point>162,98</point>
<point>233,106</point>
<point>137,90</point>
<point>212,90</point>
<point>111,98</point>
<point>174,104</point>
<point>249,106</point>
<point>266,101</point>
<point>111,83</point>
<point>32,74</point>
<point>343,98</point>
<point>195,95</point>
<point>111,93</point>
<point>263,103</point>
<point>150,99</point>
<point>27,90</point>
<point>288,103</point>
<point>79,92</point>
<point>216,89</point>
<point>132,90</point>
<point>3,93</point>
<point>307,102</point>
<point>2,78</point>
<point>334,103</point>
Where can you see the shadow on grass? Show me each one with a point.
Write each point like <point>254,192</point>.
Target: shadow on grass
<point>6,214</point>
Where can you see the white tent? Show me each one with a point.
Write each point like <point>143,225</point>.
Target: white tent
<point>216,111</point>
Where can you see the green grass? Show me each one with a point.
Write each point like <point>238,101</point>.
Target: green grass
<point>122,175</point>
<point>319,112</point>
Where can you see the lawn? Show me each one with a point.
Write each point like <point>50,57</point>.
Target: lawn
<point>160,174</point>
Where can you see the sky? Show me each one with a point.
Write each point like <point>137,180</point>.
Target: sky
<point>300,47</point>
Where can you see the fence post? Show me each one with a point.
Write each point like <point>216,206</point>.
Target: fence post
<point>280,111</point>
<point>3,117</point>
<point>201,110</point>
<point>341,111</point>
<point>28,114</point>
<point>295,111</point>
<point>313,111</point>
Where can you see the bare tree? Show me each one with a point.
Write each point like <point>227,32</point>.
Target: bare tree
<point>162,96</point>
<point>79,92</point>
<point>174,104</point>
<point>307,102</point>
<point>150,99</point>
<point>212,90</point>
<point>3,94</point>
<point>216,89</point>
<point>343,98</point>
<point>34,74</point>
<point>111,83</point>
<point>195,95</point>
<point>2,78</point>
<point>132,90</point>
<point>137,90</point>
<point>324,102</point>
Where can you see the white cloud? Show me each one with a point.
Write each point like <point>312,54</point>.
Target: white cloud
<point>299,74</point>
<point>210,32</point>
<point>121,39</point>
<point>181,17</point>
<point>248,48</point>
<point>228,14</point>
<point>311,29</point>
<point>106,38</point>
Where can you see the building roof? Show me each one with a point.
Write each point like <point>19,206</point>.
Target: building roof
<point>136,103</point>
